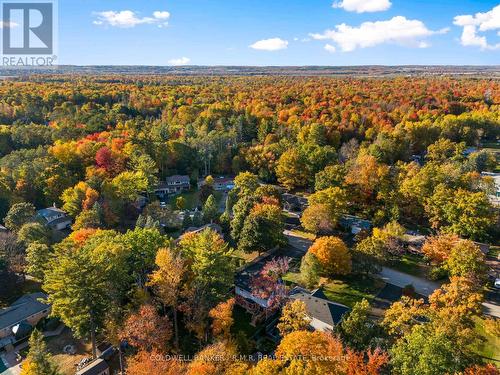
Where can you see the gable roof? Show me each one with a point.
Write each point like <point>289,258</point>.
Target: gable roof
<point>50,211</point>
<point>22,309</point>
<point>319,307</point>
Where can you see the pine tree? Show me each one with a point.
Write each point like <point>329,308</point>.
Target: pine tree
<point>39,361</point>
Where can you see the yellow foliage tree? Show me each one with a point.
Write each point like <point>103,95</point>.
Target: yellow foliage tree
<point>333,255</point>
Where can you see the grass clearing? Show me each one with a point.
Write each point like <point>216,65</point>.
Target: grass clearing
<point>352,289</point>
<point>67,362</point>
<point>490,348</point>
<point>411,264</point>
<point>346,290</point>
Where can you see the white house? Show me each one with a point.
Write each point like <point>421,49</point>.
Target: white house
<point>54,217</point>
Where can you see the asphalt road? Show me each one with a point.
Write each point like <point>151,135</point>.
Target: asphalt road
<point>426,287</point>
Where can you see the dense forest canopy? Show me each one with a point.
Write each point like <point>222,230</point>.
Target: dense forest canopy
<point>63,136</point>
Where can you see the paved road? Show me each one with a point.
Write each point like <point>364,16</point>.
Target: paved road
<point>297,242</point>
<point>426,287</point>
<point>401,279</point>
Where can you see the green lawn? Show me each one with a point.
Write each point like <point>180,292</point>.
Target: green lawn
<point>352,289</point>
<point>411,264</point>
<point>346,290</point>
<point>192,198</point>
<point>490,348</point>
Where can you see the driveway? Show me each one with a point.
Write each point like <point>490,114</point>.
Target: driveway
<point>298,242</point>
<point>401,279</point>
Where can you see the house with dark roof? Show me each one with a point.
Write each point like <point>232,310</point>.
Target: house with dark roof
<point>97,367</point>
<point>259,307</point>
<point>323,313</point>
<point>54,217</point>
<point>172,185</point>
<point>354,224</point>
<point>21,317</point>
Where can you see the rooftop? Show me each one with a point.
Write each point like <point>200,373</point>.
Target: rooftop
<point>319,307</point>
<point>22,309</point>
<point>94,368</point>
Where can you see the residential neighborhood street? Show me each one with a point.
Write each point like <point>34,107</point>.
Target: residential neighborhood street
<point>422,286</point>
<point>426,287</point>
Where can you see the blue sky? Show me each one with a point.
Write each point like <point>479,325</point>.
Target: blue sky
<point>279,32</point>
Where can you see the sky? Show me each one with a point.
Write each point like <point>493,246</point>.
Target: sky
<point>279,32</point>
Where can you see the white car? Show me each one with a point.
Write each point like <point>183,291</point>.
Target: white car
<point>497,283</point>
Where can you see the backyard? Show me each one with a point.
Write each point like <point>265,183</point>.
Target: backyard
<point>346,290</point>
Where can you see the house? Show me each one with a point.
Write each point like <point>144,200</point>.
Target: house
<point>54,218</point>
<point>259,308</point>
<point>495,195</point>
<point>20,317</point>
<point>294,203</point>
<point>172,185</point>
<point>97,367</point>
<point>220,183</point>
<point>215,227</point>
<point>323,313</point>
<point>354,224</point>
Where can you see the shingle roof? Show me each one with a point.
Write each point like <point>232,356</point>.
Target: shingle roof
<point>181,178</point>
<point>320,308</point>
<point>94,368</point>
<point>22,309</point>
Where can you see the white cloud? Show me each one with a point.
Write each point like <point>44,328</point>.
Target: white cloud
<point>330,48</point>
<point>8,25</point>
<point>397,30</point>
<point>362,6</point>
<point>471,24</point>
<point>180,61</point>
<point>128,18</point>
<point>273,44</point>
<point>161,15</point>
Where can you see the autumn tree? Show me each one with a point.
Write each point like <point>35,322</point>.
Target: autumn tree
<point>210,272</point>
<point>18,215</point>
<point>222,319</point>
<point>210,209</point>
<point>356,328</point>
<point>167,282</point>
<point>78,291</point>
<point>262,229</point>
<point>332,254</point>
<point>292,170</point>
<point>33,232</point>
<point>146,330</point>
<point>39,361</point>
<point>37,256</point>
<point>438,248</point>
<point>324,210</point>
<point>293,318</point>
<point>466,260</point>
<point>153,363</point>
<point>309,270</point>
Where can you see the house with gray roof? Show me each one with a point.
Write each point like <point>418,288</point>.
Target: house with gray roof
<point>54,217</point>
<point>324,314</point>
<point>172,185</point>
<point>97,367</point>
<point>24,313</point>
